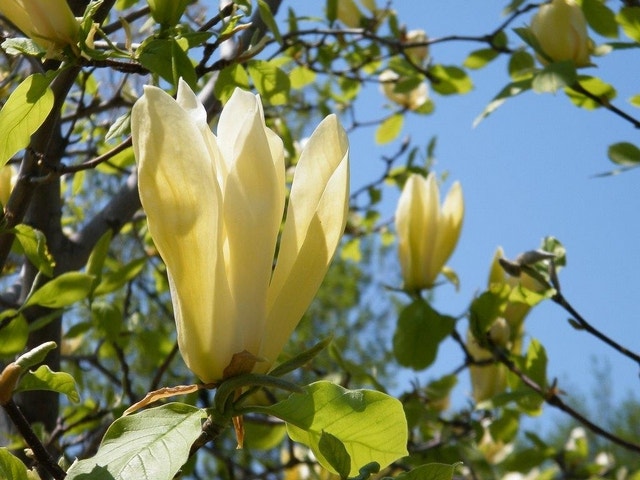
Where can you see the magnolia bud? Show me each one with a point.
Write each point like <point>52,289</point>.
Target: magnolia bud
<point>560,28</point>
<point>420,53</point>
<point>412,99</point>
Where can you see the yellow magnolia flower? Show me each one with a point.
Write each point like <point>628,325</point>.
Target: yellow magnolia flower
<point>167,12</point>
<point>50,23</point>
<point>412,99</point>
<point>214,206</point>
<point>560,28</point>
<point>427,233</point>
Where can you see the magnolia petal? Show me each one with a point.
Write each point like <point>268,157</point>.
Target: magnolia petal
<point>178,192</point>
<point>410,208</point>
<point>449,227</point>
<point>315,221</point>
<point>253,208</point>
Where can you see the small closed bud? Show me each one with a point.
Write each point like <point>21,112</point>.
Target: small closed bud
<point>500,332</point>
<point>412,99</point>
<point>560,28</point>
<point>420,53</point>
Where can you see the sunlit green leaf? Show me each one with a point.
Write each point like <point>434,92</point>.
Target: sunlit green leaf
<point>34,246</point>
<point>371,425</point>
<point>149,445</point>
<point>389,129</point>
<point>272,82</point>
<point>167,57</point>
<point>263,436</point>
<point>301,76</point>
<point>23,113</point>
<point>595,86</point>
<point>449,80</point>
<point>62,291</point>
<point>480,58</point>
<point>418,335</point>
<point>46,379</point>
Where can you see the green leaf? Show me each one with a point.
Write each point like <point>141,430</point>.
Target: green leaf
<point>480,58</point>
<point>336,454</point>
<point>449,80</point>
<point>600,18</point>
<point>629,20</point>
<point>23,113</point>
<point>555,76</point>
<point>120,127</point>
<point>521,65</point>
<point>430,471</point>
<point>35,355</point>
<point>635,100</point>
<point>511,90</point>
<point>167,57</point>
<point>597,87</point>
<point>389,129</point>
<point>624,153</point>
<point>486,308</point>
<point>267,17</point>
<point>108,320</point>
<point>228,79</point>
<point>11,467</point>
<point>62,291</point>
<point>370,424</point>
<point>418,335</point>
<point>301,76</point>
<point>34,246</point>
<point>95,263</point>
<point>112,281</point>
<point>13,335</point>
<point>150,445</point>
<point>45,379</point>
<point>534,366</point>
<point>260,436</point>
<point>22,46</point>
<point>272,82</point>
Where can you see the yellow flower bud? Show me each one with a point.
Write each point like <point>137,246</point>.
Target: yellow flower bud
<point>427,233</point>
<point>418,54</point>
<point>167,12</point>
<point>215,204</point>
<point>49,23</point>
<point>411,100</point>
<point>560,28</point>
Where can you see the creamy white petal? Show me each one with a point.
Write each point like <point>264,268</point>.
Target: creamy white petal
<point>178,192</point>
<point>315,220</point>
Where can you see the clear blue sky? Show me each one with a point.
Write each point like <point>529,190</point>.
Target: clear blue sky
<point>527,172</point>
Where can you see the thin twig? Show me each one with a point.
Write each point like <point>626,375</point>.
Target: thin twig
<point>40,453</point>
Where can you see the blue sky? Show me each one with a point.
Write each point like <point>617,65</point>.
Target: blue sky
<point>527,171</point>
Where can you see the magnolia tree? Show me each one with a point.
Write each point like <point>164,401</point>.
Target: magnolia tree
<point>175,185</point>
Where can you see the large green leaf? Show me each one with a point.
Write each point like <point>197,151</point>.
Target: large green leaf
<point>389,129</point>
<point>555,76</point>
<point>600,18</point>
<point>46,379</point>
<point>62,291</point>
<point>418,335</point>
<point>450,80</point>
<point>371,425</point>
<point>629,19</point>
<point>150,445</point>
<point>11,467</point>
<point>272,82</point>
<point>23,113</point>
